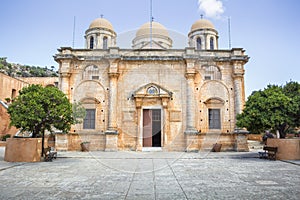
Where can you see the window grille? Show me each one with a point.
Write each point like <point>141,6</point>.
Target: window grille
<point>212,73</point>
<point>89,120</point>
<point>91,73</point>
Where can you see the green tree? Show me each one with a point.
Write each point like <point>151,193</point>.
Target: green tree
<point>79,112</point>
<point>38,108</point>
<point>275,108</point>
<point>292,90</point>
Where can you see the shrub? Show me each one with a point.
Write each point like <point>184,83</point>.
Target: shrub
<point>5,137</point>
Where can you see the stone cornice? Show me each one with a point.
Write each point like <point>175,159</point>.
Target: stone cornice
<point>152,58</point>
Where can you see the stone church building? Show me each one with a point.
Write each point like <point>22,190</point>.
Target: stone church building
<point>152,96</point>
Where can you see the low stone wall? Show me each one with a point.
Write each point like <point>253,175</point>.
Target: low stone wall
<point>205,142</point>
<point>192,142</point>
<point>288,149</point>
<point>23,150</point>
<point>71,141</point>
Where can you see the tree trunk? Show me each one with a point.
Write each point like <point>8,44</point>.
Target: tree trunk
<point>282,130</point>
<point>43,139</point>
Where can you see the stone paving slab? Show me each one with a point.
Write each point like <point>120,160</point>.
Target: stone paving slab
<point>150,175</point>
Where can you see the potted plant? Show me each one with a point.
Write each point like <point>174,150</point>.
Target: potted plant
<point>85,146</point>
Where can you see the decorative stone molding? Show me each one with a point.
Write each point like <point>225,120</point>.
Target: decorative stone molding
<point>151,91</point>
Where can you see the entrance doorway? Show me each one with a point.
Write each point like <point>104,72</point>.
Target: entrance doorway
<point>151,128</point>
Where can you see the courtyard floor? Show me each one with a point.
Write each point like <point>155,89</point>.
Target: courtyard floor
<point>151,175</point>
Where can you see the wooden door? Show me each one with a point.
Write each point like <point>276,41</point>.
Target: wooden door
<point>147,128</point>
<point>214,119</point>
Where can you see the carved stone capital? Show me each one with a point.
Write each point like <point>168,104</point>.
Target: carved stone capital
<point>190,75</point>
<point>113,74</point>
<point>65,74</point>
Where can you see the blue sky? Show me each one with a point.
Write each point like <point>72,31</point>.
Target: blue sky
<point>269,30</point>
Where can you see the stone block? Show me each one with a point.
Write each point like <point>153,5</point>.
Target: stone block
<point>288,149</point>
<point>23,150</point>
<point>111,141</point>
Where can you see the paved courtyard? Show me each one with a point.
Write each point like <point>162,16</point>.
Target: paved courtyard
<point>151,175</point>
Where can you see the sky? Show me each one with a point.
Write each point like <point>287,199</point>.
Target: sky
<point>31,31</point>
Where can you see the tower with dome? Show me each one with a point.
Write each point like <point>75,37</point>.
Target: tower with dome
<point>151,96</point>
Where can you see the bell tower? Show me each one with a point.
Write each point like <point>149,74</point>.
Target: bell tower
<point>100,35</point>
<point>203,35</point>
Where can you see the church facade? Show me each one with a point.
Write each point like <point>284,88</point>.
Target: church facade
<point>152,96</point>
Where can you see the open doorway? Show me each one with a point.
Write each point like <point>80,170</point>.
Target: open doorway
<point>151,128</point>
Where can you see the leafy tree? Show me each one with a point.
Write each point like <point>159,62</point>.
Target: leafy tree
<point>275,107</point>
<point>79,112</point>
<point>38,108</point>
<point>292,90</point>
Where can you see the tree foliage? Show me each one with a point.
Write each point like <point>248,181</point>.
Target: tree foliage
<point>79,112</point>
<point>276,108</point>
<point>38,108</point>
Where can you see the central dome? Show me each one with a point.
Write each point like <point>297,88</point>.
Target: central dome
<point>152,35</point>
<point>101,23</point>
<point>202,24</point>
<point>157,29</point>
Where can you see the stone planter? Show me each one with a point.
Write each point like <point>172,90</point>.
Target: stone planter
<point>288,149</point>
<point>216,147</point>
<point>85,146</point>
<point>23,150</point>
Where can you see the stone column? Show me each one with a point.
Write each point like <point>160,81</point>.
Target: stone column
<point>112,117</point>
<point>166,120</point>
<point>65,74</point>
<point>190,104</point>
<point>238,95</point>
<point>191,134</point>
<point>64,83</point>
<point>239,92</point>
<point>112,132</point>
<point>139,136</point>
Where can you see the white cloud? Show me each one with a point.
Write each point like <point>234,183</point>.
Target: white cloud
<point>211,8</point>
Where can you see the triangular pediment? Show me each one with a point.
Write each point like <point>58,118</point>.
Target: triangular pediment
<point>152,90</point>
<point>152,45</point>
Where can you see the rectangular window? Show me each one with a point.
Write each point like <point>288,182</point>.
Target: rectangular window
<point>214,119</point>
<point>156,115</point>
<point>89,121</point>
<point>207,78</point>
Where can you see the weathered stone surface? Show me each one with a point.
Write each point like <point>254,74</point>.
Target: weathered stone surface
<point>150,175</point>
<point>23,150</point>
<point>288,149</point>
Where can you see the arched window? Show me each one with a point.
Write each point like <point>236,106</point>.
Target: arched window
<point>91,42</point>
<point>211,43</point>
<point>105,42</point>
<point>198,47</point>
<point>91,73</point>
<point>212,73</point>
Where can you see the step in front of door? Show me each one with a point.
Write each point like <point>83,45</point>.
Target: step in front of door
<point>151,149</point>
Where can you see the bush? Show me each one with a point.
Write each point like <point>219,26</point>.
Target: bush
<point>5,137</point>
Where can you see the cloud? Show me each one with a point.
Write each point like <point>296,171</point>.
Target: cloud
<point>211,8</point>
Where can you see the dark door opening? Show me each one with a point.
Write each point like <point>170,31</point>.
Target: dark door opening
<point>214,119</point>
<point>152,128</point>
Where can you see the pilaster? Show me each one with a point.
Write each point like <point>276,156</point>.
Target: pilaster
<point>190,100</point>
<point>112,132</point>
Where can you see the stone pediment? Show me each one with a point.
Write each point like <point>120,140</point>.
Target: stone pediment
<point>152,90</point>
